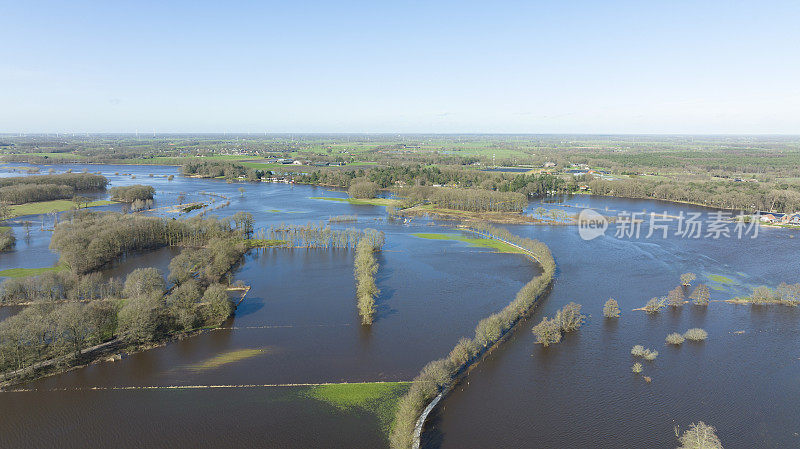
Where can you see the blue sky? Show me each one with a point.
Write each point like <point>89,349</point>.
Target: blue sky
<point>429,66</point>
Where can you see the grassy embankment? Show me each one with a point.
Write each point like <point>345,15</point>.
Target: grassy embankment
<point>500,246</point>
<point>25,272</point>
<point>44,207</point>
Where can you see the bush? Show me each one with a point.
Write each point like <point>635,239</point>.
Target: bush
<point>647,354</point>
<point>363,189</point>
<point>28,193</point>
<point>547,332</point>
<point>695,334</point>
<point>700,436</point>
<point>674,339</point>
<point>611,309</point>
<point>637,368</point>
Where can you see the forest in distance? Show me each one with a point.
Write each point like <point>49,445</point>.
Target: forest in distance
<point>746,173</point>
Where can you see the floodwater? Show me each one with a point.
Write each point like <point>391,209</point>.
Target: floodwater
<point>301,316</point>
<point>744,380</point>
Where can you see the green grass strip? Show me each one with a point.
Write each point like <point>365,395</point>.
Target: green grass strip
<point>377,398</point>
<point>501,247</point>
<point>44,207</point>
<point>25,272</point>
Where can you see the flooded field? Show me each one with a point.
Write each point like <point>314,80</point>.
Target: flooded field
<point>299,325</point>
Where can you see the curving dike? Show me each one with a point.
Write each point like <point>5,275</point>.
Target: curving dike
<point>438,377</point>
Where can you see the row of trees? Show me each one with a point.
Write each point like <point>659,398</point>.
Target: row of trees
<point>44,331</point>
<point>220,169</point>
<point>424,175</point>
<point>364,270</point>
<point>129,194</point>
<point>58,286</point>
<point>438,374</point>
<point>745,196</point>
<point>321,235</point>
<point>29,193</point>
<point>472,200</point>
<point>78,181</point>
<point>139,311</point>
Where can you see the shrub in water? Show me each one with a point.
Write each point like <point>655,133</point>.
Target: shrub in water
<point>695,334</point>
<point>611,309</point>
<point>674,339</point>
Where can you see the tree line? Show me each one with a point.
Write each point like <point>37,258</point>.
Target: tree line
<point>69,311</point>
<point>87,240</point>
<point>321,235</point>
<point>365,267</point>
<point>28,189</point>
<point>745,196</point>
<point>438,374</point>
<point>220,169</point>
<point>129,194</point>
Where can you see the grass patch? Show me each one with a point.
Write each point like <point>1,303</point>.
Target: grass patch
<point>378,398</point>
<point>44,207</point>
<point>25,272</point>
<point>501,247</point>
<point>360,202</point>
<point>719,279</point>
<point>226,358</point>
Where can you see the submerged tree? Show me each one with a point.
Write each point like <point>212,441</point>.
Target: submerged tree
<point>611,309</point>
<point>675,297</point>
<point>701,295</point>
<point>547,332</point>
<point>654,305</point>
<point>687,279</point>
<point>569,318</point>
<point>699,436</point>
